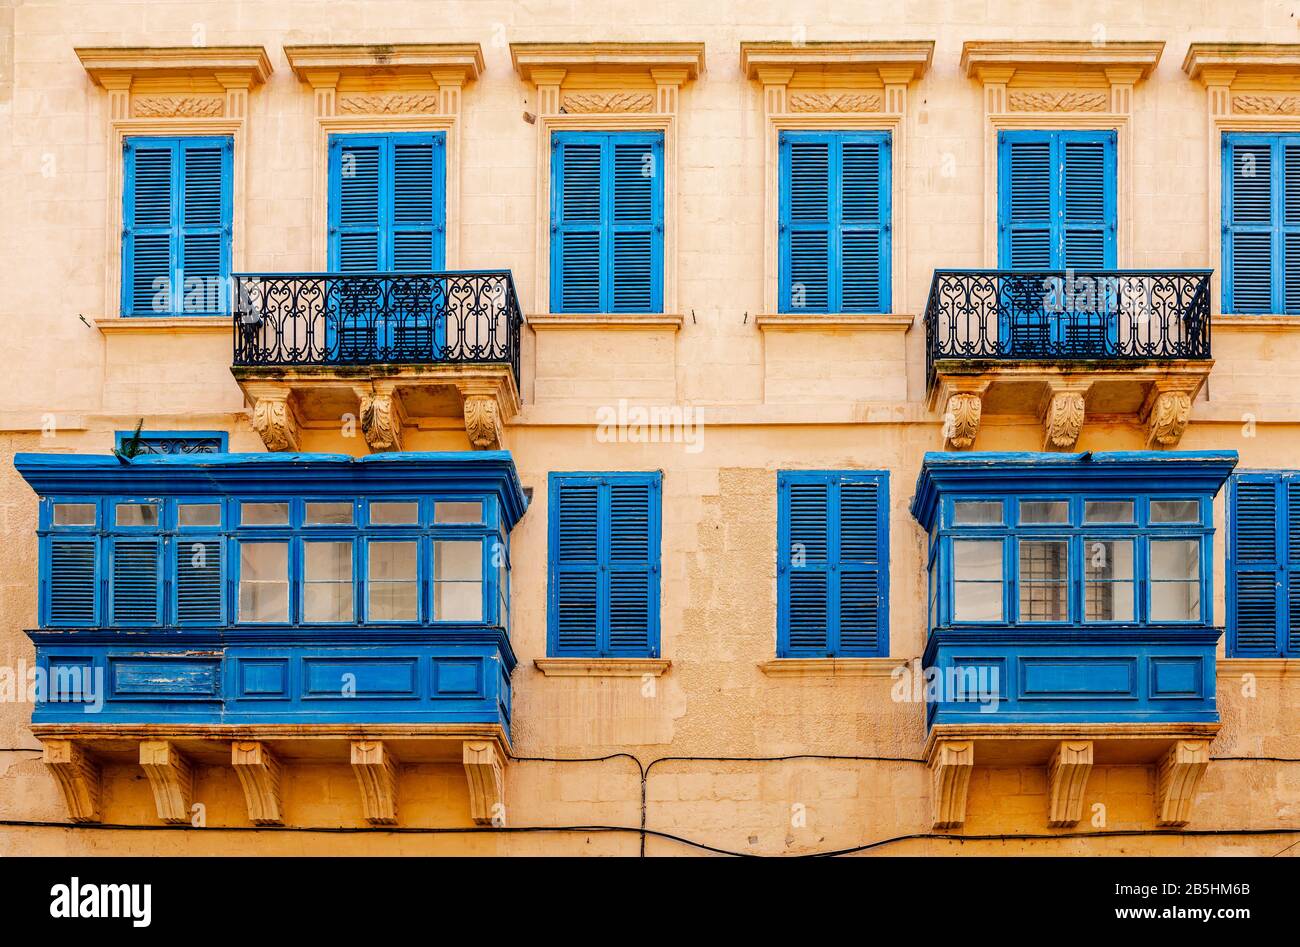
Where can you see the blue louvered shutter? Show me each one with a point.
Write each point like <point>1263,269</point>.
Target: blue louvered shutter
<point>806,572</point>
<point>417,216</point>
<point>73,585</point>
<point>575,566</point>
<point>148,232</point>
<point>863,273</point>
<point>1256,580</point>
<point>633,568</point>
<point>1289,638</point>
<point>1087,201</point>
<point>576,226</point>
<point>1248,222</point>
<point>861,545</point>
<point>204,240</point>
<point>806,222</point>
<point>135,586</point>
<point>636,225</point>
<point>1026,195</point>
<point>1290,220</point>
<point>200,580</point>
<point>356,164</point>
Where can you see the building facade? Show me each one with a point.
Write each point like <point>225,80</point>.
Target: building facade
<point>743,428</point>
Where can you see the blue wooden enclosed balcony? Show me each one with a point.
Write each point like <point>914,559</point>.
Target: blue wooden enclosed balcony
<point>1070,604</point>
<point>302,603</point>
<point>392,349</point>
<point>1059,344</point>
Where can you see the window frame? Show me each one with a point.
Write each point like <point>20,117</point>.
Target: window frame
<point>1277,142</point>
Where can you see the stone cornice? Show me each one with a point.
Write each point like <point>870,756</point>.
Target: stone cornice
<point>1270,59</point>
<point>114,65</point>
<point>529,58</point>
<point>903,61</point>
<point>1048,55</point>
<point>456,60</point>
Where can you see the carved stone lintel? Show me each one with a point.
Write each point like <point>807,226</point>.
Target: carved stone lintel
<point>1057,100</point>
<point>396,103</point>
<point>1177,777</point>
<point>178,106</point>
<point>78,777</point>
<point>1062,419</point>
<point>1246,103</point>
<point>951,763</point>
<point>614,101</point>
<point>275,423</point>
<point>961,419</point>
<point>483,770</point>
<point>834,102</point>
<point>1167,417</point>
<point>1068,771</point>
<point>259,773</point>
<point>171,776</point>
<point>483,422</point>
<point>381,420</point>
<point>376,771</point>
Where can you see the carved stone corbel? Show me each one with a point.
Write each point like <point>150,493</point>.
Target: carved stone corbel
<point>483,421</point>
<point>1177,777</point>
<point>951,763</point>
<point>1166,414</point>
<point>1062,418</point>
<point>961,419</point>
<point>259,773</point>
<point>381,419</point>
<point>171,776</point>
<point>78,777</point>
<point>1068,772</point>
<point>376,771</point>
<point>486,776</point>
<point>274,421</point>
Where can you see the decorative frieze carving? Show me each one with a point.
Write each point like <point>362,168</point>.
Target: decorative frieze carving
<point>171,776</point>
<point>613,101</point>
<point>1057,100</point>
<point>376,771</point>
<point>1062,420</point>
<point>951,763</point>
<point>483,422</point>
<point>78,777</point>
<point>486,778</point>
<point>393,103</point>
<point>1177,777</point>
<point>834,101</point>
<point>1167,417</point>
<point>1261,103</point>
<point>381,420</point>
<point>1068,772</point>
<point>259,773</point>
<point>961,419</point>
<point>177,106</point>
<point>274,422</point>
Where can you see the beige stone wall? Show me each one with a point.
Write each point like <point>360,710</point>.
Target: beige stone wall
<point>771,398</point>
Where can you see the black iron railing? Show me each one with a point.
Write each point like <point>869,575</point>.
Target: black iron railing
<point>1067,315</point>
<point>295,319</point>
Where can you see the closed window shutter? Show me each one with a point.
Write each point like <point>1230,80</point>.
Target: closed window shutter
<point>1290,214</point>
<point>577,236</point>
<point>1290,637</point>
<point>355,234</point>
<point>1255,571</point>
<point>147,237</point>
<point>1249,213</point>
<point>204,226</point>
<point>200,580</point>
<point>859,557</point>
<point>864,171</point>
<point>73,586</point>
<point>1088,203</point>
<point>636,169</point>
<point>806,561</point>
<point>605,565</point>
<point>135,584</point>
<point>1027,203</point>
<point>416,214</point>
<point>806,224</point>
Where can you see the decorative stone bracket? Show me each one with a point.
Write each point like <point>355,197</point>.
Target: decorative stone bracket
<point>1068,772</point>
<point>962,410</point>
<point>1062,415</point>
<point>78,777</point>
<point>1166,411</point>
<point>951,763</point>
<point>376,770</point>
<point>486,776</point>
<point>381,416</point>
<point>1178,775</point>
<point>171,776</point>
<point>259,774</point>
<point>274,417</point>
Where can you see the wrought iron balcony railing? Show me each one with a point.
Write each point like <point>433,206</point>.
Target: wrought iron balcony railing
<point>298,319</point>
<point>1067,315</point>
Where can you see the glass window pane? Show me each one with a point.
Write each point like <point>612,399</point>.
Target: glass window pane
<point>1175,511</point>
<point>388,513</point>
<point>458,512</point>
<point>1176,559</point>
<point>137,514</point>
<point>1108,559</point>
<point>977,513</point>
<point>393,601</point>
<point>329,514</point>
<point>458,601</point>
<point>264,514</point>
<point>1108,511</point>
<point>1175,601</point>
<point>393,561</point>
<point>1108,575</point>
<point>263,582</point>
<point>1044,511</point>
<point>979,559</point>
<point>1044,568</point>
<point>328,562</point>
<point>977,601</point>
<point>74,514</point>
<point>393,586</point>
<point>327,586</point>
<point>198,514</point>
<point>458,561</point>
<point>1108,601</point>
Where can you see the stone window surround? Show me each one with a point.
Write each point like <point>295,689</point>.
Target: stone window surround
<point>1250,87</point>
<point>176,89</point>
<point>625,87</point>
